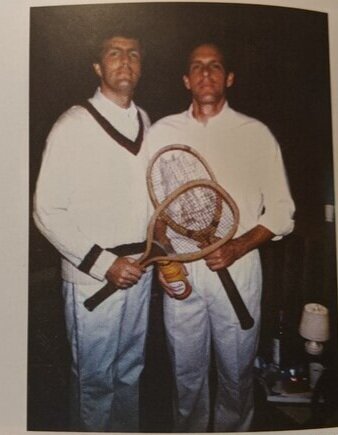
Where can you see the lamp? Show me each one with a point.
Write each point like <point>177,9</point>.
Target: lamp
<point>314,327</point>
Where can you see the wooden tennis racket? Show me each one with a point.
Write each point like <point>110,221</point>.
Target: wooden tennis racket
<point>200,210</point>
<point>171,167</point>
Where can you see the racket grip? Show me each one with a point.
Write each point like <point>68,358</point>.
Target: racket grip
<point>244,317</point>
<point>92,302</point>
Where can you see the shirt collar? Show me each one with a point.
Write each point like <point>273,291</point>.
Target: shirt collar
<point>225,110</point>
<point>109,107</point>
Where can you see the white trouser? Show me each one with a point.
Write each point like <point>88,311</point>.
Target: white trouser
<point>191,324</point>
<point>108,351</point>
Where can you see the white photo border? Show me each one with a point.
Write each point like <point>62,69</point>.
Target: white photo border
<point>14,42</point>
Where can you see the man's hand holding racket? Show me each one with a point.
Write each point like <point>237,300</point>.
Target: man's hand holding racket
<point>124,272</point>
<point>225,256</point>
<point>234,249</point>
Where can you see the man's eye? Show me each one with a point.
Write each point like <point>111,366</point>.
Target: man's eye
<point>195,67</point>
<point>216,66</point>
<point>114,53</point>
<point>135,55</point>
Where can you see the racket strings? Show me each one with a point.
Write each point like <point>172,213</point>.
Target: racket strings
<point>172,170</point>
<point>197,218</point>
<point>193,209</point>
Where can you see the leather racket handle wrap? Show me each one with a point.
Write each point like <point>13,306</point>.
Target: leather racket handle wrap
<point>244,317</point>
<point>101,295</point>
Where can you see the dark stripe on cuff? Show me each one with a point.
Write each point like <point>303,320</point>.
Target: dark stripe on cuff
<point>128,249</point>
<point>90,259</point>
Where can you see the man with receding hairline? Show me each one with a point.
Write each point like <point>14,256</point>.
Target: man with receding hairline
<point>247,162</point>
<point>91,198</point>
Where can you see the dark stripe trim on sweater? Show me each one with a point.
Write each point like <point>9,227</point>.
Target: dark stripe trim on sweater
<point>131,146</point>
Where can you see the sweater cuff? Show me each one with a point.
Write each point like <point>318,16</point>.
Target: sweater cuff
<point>97,262</point>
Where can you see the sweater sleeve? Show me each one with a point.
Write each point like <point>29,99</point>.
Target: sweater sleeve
<point>51,205</point>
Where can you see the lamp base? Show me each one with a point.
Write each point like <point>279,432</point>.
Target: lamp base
<point>313,347</point>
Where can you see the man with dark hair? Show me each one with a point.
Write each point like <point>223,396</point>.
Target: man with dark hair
<point>91,197</point>
<point>247,162</point>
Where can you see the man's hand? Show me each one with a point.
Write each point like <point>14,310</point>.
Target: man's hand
<point>224,256</point>
<point>124,272</point>
<point>227,254</point>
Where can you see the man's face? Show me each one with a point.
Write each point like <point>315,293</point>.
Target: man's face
<point>207,78</point>
<point>120,66</point>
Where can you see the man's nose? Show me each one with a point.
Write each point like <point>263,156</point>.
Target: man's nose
<point>206,70</point>
<point>125,58</point>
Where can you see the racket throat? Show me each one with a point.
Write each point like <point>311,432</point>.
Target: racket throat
<point>156,250</point>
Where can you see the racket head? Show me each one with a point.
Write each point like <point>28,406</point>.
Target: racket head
<point>195,228</point>
<point>171,167</point>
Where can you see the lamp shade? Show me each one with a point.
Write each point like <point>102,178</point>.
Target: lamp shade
<point>314,324</point>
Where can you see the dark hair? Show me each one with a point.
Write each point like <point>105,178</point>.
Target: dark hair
<point>98,40</point>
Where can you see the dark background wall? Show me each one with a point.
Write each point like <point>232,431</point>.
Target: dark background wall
<point>281,61</point>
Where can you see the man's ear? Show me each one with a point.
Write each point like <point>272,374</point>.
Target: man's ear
<point>97,69</point>
<point>186,82</point>
<point>230,79</point>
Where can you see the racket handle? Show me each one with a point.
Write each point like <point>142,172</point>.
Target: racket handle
<point>99,296</point>
<point>236,300</point>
